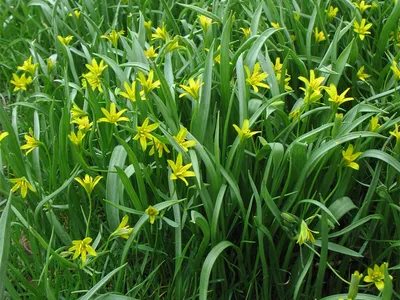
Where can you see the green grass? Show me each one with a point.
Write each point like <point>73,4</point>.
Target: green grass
<point>241,227</point>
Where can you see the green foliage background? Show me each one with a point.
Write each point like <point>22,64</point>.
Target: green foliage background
<point>231,234</point>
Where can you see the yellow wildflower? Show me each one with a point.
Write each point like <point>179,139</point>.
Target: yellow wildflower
<point>294,114</point>
<point>88,183</point>
<point>335,97</point>
<point>31,142</point>
<point>130,91</point>
<point>396,133</point>
<point>3,135</point>
<point>123,230</point>
<point>205,22</point>
<point>144,133</point>
<point>255,79</point>
<point>396,70</point>
<point>95,68</point>
<point>77,14</point>
<point>362,28</point>
<point>83,123</point>
<point>161,33</point>
<point>246,31</point>
<point>180,139</point>
<point>217,59</point>
<point>112,116</point>
<point>65,40</point>
<point>82,248</point>
<point>50,64</point>
<point>361,6</point>
<point>349,157</point>
<point>23,184</point>
<point>361,75</point>
<point>28,66</point>
<point>377,276</point>
<point>151,52</point>
<point>305,234</point>
<point>244,132</point>
<point>147,83</point>
<point>278,73</point>
<point>353,289</point>
<point>147,25</point>
<point>374,124</point>
<point>20,82</point>
<point>313,87</point>
<point>332,12</point>
<point>113,37</point>
<point>152,212</point>
<point>275,25</point>
<point>180,171</point>
<point>76,112</point>
<point>192,89</point>
<point>319,35</point>
<point>173,45</point>
<point>76,139</point>
<point>157,146</point>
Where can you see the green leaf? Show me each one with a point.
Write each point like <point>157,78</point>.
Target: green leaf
<point>5,238</point>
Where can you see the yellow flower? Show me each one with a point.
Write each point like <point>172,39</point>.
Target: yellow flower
<point>113,37</point>
<point>244,132</point>
<point>3,135</point>
<point>112,116</point>
<point>76,112</point>
<point>361,6</point>
<point>147,25</point>
<point>20,82</point>
<point>31,142</point>
<point>319,35</point>
<point>377,276</point>
<point>205,22</point>
<point>396,133</point>
<point>83,123</point>
<point>144,133</point>
<point>161,33</point>
<point>217,59</point>
<point>362,28</point>
<point>151,52</point>
<point>173,45</point>
<point>130,91</point>
<point>123,229</point>
<point>349,157</point>
<point>305,234</point>
<point>88,183</point>
<point>278,73</point>
<point>65,40</point>
<point>374,124</point>
<point>332,12</point>
<point>180,171</point>
<point>82,248</point>
<point>28,66</point>
<point>294,114</point>
<point>95,68</point>
<point>192,89</point>
<point>246,31</point>
<point>23,184</point>
<point>158,146</point>
<point>76,139</point>
<point>152,212</point>
<point>147,83</point>
<point>275,24</point>
<point>93,77</point>
<point>77,14</point>
<point>180,139</point>
<point>313,87</point>
<point>335,98</point>
<point>396,70</point>
<point>255,79</point>
<point>50,64</point>
<point>361,75</point>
